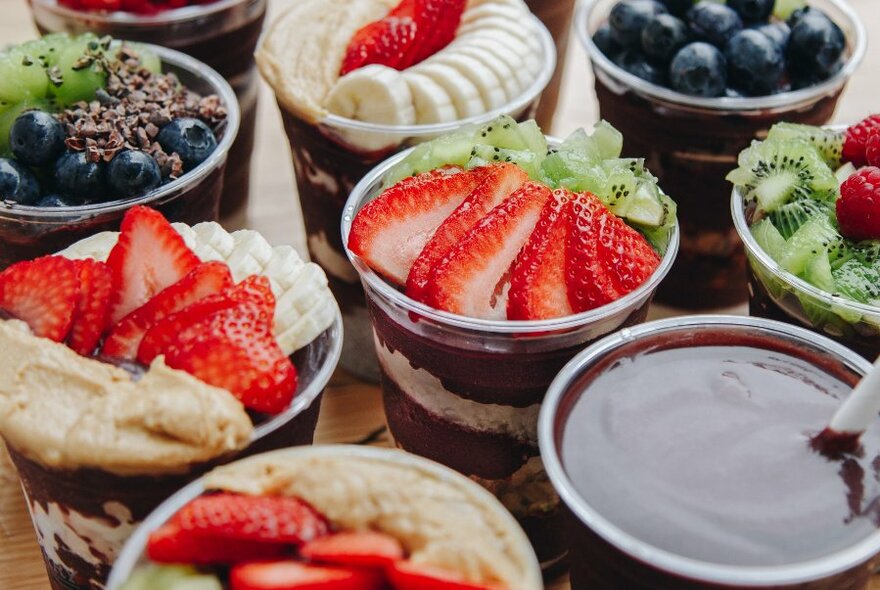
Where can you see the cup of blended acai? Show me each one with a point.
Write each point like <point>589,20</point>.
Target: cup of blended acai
<point>690,84</point>
<point>136,361</point>
<point>489,260</point>
<point>686,452</point>
<point>347,103</point>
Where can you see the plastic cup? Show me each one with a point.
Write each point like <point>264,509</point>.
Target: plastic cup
<point>327,167</point>
<point>466,392</point>
<point>29,232</point>
<point>223,34</point>
<point>776,294</point>
<point>603,555</point>
<point>83,516</point>
<point>691,143</point>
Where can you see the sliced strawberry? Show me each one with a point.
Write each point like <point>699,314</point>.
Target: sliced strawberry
<point>354,548</point>
<point>92,315</point>
<point>227,515</point>
<point>392,229</point>
<point>405,575</point>
<point>627,255</point>
<point>537,281</point>
<point>205,279</point>
<point>171,544</point>
<point>437,21</point>
<point>235,349</point>
<point>43,293</point>
<point>148,257</point>
<point>254,289</point>
<point>293,575</point>
<point>467,280</point>
<point>500,181</point>
<point>856,137</point>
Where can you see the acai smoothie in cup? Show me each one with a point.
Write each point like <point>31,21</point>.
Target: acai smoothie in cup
<point>495,58</point>
<point>351,517</point>
<point>724,79</point>
<point>92,127</point>
<point>684,451</point>
<point>481,284</point>
<point>220,33</point>
<point>108,406</point>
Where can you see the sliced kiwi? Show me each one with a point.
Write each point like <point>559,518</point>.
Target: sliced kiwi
<point>532,136</point>
<point>659,236</point>
<point>815,236</point>
<point>775,172</point>
<point>858,282</point>
<point>818,272</point>
<point>525,159</point>
<point>768,237</point>
<point>502,132</point>
<point>453,149</point>
<point>791,216</point>
<point>172,577</point>
<point>634,199</point>
<point>828,142</point>
<point>608,139</point>
<point>22,77</point>
<point>783,8</point>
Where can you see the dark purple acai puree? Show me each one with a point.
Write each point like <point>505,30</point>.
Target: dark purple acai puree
<point>705,453</point>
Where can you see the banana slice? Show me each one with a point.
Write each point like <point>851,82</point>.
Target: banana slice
<point>431,101</point>
<point>374,93</point>
<point>486,9</point>
<point>96,247</point>
<point>515,27</point>
<point>499,67</point>
<point>505,47</point>
<point>483,78</point>
<point>464,95</point>
<point>512,4</point>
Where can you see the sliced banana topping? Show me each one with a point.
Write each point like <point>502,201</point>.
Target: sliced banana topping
<point>431,101</point>
<point>488,84</point>
<point>499,67</point>
<point>505,47</point>
<point>464,94</point>
<point>490,8</point>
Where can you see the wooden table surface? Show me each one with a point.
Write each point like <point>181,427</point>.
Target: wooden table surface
<point>351,410</point>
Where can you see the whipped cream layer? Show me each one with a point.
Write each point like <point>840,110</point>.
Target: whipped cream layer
<point>441,518</point>
<point>64,410</point>
<point>495,56</point>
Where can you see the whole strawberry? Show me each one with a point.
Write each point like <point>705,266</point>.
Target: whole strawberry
<point>858,208</point>
<point>856,138</point>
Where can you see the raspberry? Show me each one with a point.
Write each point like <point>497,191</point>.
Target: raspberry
<point>856,137</point>
<point>858,208</point>
<point>872,149</point>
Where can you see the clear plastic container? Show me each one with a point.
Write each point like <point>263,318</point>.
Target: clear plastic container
<point>691,143</point>
<point>30,232</point>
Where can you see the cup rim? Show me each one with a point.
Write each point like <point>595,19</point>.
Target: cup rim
<point>521,327</point>
<point>125,18</point>
<point>134,547</point>
<point>602,64</point>
<point>233,119</point>
<point>740,576</point>
<point>548,46</point>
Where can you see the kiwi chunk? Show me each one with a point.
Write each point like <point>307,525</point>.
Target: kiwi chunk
<point>768,237</point>
<point>174,577</point>
<point>482,155</point>
<point>817,235</point>
<point>633,198</point>
<point>659,236</point>
<point>828,142</point>
<point>858,282</point>
<point>791,216</point>
<point>608,139</point>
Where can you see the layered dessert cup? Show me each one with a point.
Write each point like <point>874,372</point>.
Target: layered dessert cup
<point>100,436</point>
<point>333,145</point>
<point>39,225</point>
<point>691,142</point>
<point>464,387</point>
<point>685,451</point>
<point>223,34</point>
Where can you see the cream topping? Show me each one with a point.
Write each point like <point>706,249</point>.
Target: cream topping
<point>441,518</point>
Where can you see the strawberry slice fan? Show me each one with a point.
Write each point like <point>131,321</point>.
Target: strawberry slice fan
<point>155,297</point>
<point>413,31</point>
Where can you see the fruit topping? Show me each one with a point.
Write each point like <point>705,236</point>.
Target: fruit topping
<point>405,575</point>
<point>663,36</point>
<point>43,293</point>
<point>699,69</point>
<point>36,138</point>
<point>92,314</point>
<point>132,173</point>
<point>293,575</point>
<point>80,178</point>
<point>354,548</point>
<point>755,63</point>
<point>858,208</point>
<point>190,139</point>
<point>629,17</point>
<point>713,23</point>
<point>17,183</point>
<point>856,139</point>
<point>752,10</point>
<point>815,46</point>
<point>171,544</point>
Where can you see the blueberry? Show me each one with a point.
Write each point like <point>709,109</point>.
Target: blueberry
<point>629,17</point>
<point>699,69</point>
<point>752,10</point>
<point>800,13</point>
<point>603,40</point>
<point>778,32</point>
<point>635,63</point>
<point>190,138</point>
<point>17,183</point>
<point>663,36</point>
<point>754,63</point>
<point>133,173</point>
<point>815,46</point>
<point>36,138</point>
<point>56,200</point>
<point>678,7</point>
<point>76,177</point>
<point>714,23</point>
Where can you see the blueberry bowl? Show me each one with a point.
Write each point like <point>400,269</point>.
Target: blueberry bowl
<point>27,232</point>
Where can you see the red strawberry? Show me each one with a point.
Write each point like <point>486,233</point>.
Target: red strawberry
<point>92,314</point>
<point>206,279</point>
<point>293,575</point>
<point>354,548</point>
<point>148,257</point>
<point>872,149</point>
<point>500,181</point>
<point>235,349</point>
<point>254,289</point>
<point>436,20</point>
<point>227,515</point>
<point>468,278</point>
<point>405,575</point>
<point>537,281</point>
<point>856,138</point>
<point>627,255</point>
<point>858,208</point>
<point>42,293</point>
<point>391,230</point>
<point>171,544</point>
